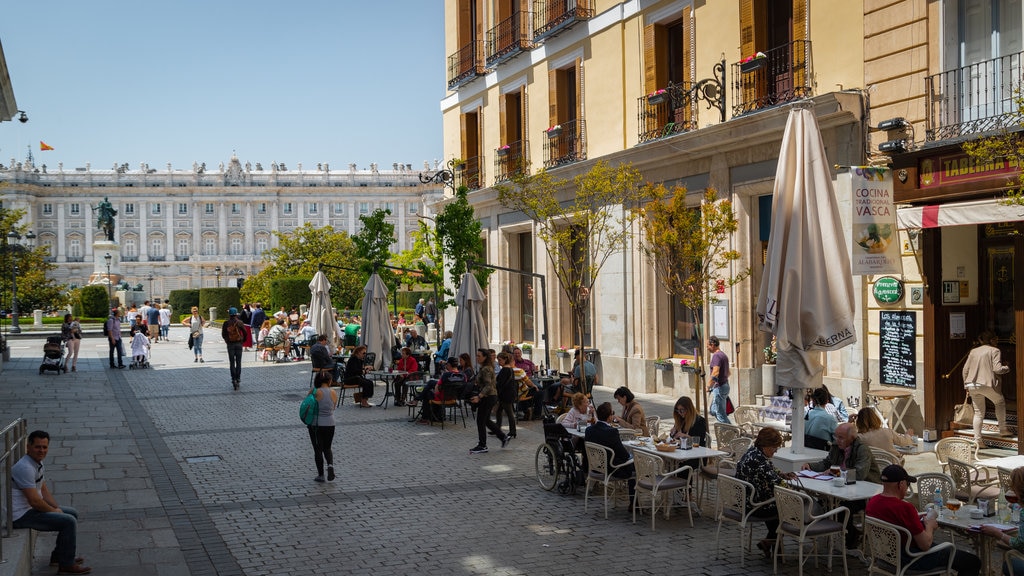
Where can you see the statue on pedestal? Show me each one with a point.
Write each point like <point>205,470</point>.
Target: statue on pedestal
<point>105,219</point>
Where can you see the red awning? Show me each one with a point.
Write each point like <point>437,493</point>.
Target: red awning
<point>958,214</point>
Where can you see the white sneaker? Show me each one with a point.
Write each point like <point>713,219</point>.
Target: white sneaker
<point>854,553</point>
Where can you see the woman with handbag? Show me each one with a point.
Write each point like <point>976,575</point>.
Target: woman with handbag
<point>981,380</point>
<point>71,331</point>
<point>321,434</point>
<point>195,326</point>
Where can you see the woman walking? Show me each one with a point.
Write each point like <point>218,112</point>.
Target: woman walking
<point>71,332</point>
<point>321,434</point>
<point>981,374</point>
<point>507,392</point>
<point>485,398</point>
<point>195,327</point>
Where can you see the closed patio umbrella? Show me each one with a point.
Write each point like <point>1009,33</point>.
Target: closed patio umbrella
<point>376,333</point>
<point>806,298</point>
<point>469,333</point>
<point>321,313</point>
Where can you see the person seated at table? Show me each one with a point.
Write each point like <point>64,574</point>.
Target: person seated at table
<point>405,363</point>
<point>306,336</point>
<point>819,431</point>
<point>523,363</point>
<point>632,413</point>
<point>602,433</point>
<point>871,433</point>
<point>469,372</point>
<point>849,454</point>
<point>355,370</point>
<point>261,337</point>
<point>441,356</point>
<point>321,358</point>
<point>1017,541</point>
<point>277,337</point>
<point>416,342</point>
<point>583,378</point>
<point>688,422</point>
<point>435,391</point>
<point>890,506</point>
<point>529,401</point>
<point>582,412</point>
<point>755,467</point>
<point>835,407</point>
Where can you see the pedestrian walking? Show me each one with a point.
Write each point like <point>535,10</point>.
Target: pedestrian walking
<point>233,333</point>
<point>165,321</point>
<point>71,332</point>
<point>321,434</point>
<point>485,396</point>
<point>981,380</point>
<point>718,386</point>
<point>195,327</point>
<point>113,329</point>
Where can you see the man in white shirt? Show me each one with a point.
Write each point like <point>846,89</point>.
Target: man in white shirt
<point>33,506</point>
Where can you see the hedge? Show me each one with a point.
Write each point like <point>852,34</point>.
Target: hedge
<point>289,292</point>
<point>182,301</point>
<point>219,298</point>
<point>95,301</point>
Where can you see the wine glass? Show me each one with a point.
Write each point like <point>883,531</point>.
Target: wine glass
<point>1011,497</point>
<point>953,504</point>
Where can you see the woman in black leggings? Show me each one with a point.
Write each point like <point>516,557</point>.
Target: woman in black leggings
<point>485,398</point>
<point>507,392</point>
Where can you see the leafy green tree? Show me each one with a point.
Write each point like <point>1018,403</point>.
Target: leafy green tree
<point>373,245</point>
<point>35,289</point>
<point>426,257</point>
<point>458,231</point>
<point>688,246</point>
<point>299,253</point>
<point>1008,146</point>
<point>582,223</point>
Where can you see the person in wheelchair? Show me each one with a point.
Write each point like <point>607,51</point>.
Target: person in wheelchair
<point>582,412</point>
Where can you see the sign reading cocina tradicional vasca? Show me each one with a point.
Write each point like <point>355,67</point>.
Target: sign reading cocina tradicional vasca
<point>875,246</point>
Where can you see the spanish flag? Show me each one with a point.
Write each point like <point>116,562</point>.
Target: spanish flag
<point>44,146</point>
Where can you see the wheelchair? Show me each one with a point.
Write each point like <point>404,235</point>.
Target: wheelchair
<point>559,464</point>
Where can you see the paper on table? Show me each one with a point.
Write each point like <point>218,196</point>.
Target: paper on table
<point>815,475</point>
<point>1003,527</point>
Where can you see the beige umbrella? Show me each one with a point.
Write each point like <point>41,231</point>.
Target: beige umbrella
<point>376,333</point>
<point>806,297</point>
<point>321,313</point>
<point>469,333</point>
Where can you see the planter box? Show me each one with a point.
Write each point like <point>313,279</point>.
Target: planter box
<point>768,379</point>
<point>663,366</point>
<point>562,354</point>
<point>554,133</point>
<point>755,64</point>
<point>689,369</point>
<point>656,99</point>
<point>503,151</point>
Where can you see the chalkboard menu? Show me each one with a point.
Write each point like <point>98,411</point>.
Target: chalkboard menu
<point>897,347</point>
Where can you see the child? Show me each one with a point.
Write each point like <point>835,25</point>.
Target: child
<point>140,344</point>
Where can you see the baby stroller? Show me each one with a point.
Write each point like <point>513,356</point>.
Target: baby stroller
<point>143,363</point>
<point>53,355</point>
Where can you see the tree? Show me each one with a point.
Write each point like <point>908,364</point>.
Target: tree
<point>688,247</point>
<point>1005,147</point>
<point>373,245</point>
<point>35,289</point>
<point>299,254</point>
<point>581,229</point>
<point>459,233</point>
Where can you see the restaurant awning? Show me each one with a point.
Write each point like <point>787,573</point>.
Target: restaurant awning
<point>958,214</point>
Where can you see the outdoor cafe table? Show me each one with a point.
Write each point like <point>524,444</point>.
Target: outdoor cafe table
<point>679,459</point>
<point>835,495</point>
<point>389,378</point>
<point>969,527</point>
<point>1006,462</point>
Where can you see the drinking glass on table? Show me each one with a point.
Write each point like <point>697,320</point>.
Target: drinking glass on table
<point>953,504</point>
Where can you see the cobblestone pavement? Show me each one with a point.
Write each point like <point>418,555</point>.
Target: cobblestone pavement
<point>174,473</point>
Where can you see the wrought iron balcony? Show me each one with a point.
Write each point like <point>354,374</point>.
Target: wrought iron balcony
<point>75,259</point>
<point>569,144</point>
<point>181,257</point>
<point>464,65</point>
<point>511,160</point>
<point>666,112</point>
<point>470,173</point>
<point>784,75</point>
<point>975,98</point>
<point>552,16</point>
<point>510,37</point>
<point>129,258</point>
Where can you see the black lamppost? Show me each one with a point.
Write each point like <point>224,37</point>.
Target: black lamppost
<point>217,272</point>
<point>150,280</point>
<point>241,279</point>
<point>110,295</point>
<point>14,243</point>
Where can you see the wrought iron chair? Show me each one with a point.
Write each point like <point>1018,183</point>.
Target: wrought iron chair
<point>710,471</point>
<point>972,482</point>
<point>891,558</point>
<point>450,402</point>
<point>735,498</point>
<point>602,472</point>
<point>796,522</point>
<point>960,448</point>
<point>725,433</point>
<point>884,457</point>
<point>652,480</point>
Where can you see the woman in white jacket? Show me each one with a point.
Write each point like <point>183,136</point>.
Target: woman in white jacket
<point>981,380</point>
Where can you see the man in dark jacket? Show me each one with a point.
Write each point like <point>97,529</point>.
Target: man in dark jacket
<point>321,358</point>
<point>258,318</point>
<point>602,433</point>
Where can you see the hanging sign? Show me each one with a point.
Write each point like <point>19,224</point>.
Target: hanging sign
<point>888,290</point>
<point>875,245</point>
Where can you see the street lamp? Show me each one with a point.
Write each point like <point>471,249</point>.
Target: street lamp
<point>14,243</point>
<point>217,272</point>
<point>110,296</point>
<point>150,280</point>
<point>241,279</point>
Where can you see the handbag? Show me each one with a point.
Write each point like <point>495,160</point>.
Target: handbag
<point>191,341</point>
<point>964,413</point>
<point>729,408</point>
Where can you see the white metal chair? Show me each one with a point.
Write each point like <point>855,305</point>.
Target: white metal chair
<point>1003,474</point>
<point>601,472</point>
<point>653,422</point>
<point>715,466</point>
<point>888,555</point>
<point>883,457</point>
<point>972,482</point>
<point>1008,559</point>
<point>725,433</point>
<point>660,487</point>
<point>735,499</point>
<point>960,448</point>
<point>796,522</point>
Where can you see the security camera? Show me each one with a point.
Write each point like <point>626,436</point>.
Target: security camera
<point>23,117</point>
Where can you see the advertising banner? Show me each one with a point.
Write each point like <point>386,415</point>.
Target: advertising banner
<point>875,244</point>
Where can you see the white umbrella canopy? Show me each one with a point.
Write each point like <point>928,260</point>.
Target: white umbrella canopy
<point>806,298</point>
<point>469,333</point>
<point>321,312</point>
<point>375,332</point>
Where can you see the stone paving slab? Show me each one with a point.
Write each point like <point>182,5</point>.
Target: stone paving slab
<point>408,498</point>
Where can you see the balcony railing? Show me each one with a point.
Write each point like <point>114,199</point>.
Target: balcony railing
<point>510,160</point>
<point>783,76</point>
<point>552,16</point>
<point>470,173</point>
<point>666,112</point>
<point>568,145</point>
<point>129,258</point>
<point>975,98</point>
<point>181,257</point>
<point>464,65</point>
<point>510,37</point>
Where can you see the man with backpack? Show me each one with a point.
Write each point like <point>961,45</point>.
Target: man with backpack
<point>112,330</point>
<point>233,333</point>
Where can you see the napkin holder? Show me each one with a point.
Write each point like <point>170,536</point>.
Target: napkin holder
<point>987,506</point>
<point>851,476</point>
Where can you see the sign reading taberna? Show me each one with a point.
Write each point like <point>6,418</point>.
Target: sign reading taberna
<point>888,290</point>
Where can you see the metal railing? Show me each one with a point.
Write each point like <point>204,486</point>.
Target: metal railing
<point>552,16</point>
<point>975,98</point>
<point>666,112</point>
<point>569,144</point>
<point>510,160</point>
<point>784,75</point>
<point>462,65</point>
<point>14,435</point>
<point>470,173</point>
<point>508,38</point>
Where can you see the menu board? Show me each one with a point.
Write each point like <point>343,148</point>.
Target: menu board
<point>897,348</point>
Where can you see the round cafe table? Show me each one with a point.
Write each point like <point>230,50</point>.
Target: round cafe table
<point>389,377</point>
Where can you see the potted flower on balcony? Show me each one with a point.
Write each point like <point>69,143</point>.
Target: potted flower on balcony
<point>504,149</point>
<point>663,364</point>
<point>562,352</point>
<point>657,97</point>
<point>527,349</point>
<point>687,365</point>
<point>555,131</point>
<point>755,62</point>
<point>771,355</point>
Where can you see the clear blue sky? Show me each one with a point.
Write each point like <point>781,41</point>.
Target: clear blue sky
<point>308,81</point>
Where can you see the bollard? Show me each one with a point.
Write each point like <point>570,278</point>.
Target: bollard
<point>37,318</point>
<point>213,314</point>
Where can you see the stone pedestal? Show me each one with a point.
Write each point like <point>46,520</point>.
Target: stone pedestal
<point>100,249</point>
<point>37,318</point>
<point>768,379</point>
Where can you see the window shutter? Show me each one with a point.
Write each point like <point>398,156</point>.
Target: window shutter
<point>686,114</point>
<point>503,120</point>
<point>650,59</point>
<point>579,89</point>
<point>748,43</point>
<point>464,137</point>
<point>552,97</point>
<point>801,51</point>
<point>479,39</point>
